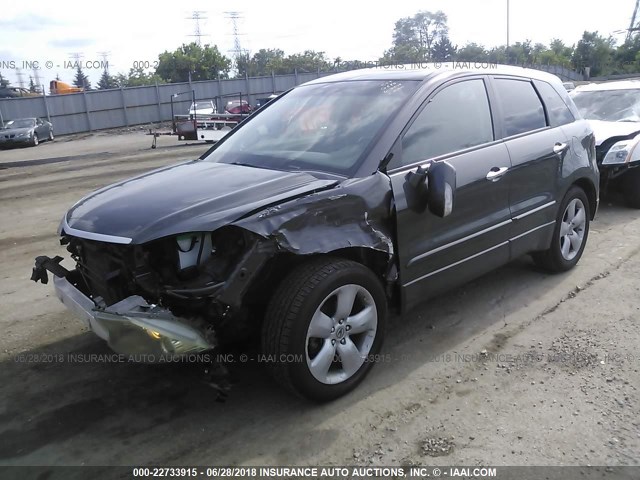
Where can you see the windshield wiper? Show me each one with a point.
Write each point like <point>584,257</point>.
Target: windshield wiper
<point>248,165</point>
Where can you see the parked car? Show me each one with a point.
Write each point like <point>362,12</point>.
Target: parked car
<point>25,131</point>
<point>351,195</point>
<point>238,107</point>
<point>569,86</point>
<point>613,108</point>
<point>261,102</point>
<point>207,107</point>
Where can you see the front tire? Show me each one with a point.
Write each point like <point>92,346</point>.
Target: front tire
<point>51,135</point>
<point>570,233</point>
<point>34,141</point>
<point>631,188</point>
<point>323,326</point>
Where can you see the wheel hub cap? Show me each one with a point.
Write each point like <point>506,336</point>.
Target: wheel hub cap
<point>341,334</point>
<point>572,229</point>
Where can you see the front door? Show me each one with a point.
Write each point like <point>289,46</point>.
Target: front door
<point>455,124</point>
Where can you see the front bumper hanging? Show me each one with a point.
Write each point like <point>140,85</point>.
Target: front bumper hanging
<point>131,326</point>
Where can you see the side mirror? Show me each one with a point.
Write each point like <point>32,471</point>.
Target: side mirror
<point>441,191</point>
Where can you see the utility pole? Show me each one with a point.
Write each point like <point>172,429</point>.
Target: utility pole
<point>508,31</point>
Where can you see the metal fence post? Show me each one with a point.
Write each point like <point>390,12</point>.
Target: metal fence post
<point>46,106</point>
<point>1,119</point>
<point>273,82</point>
<point>160,119</point>
<point>248,85</point>
<point>295,72</point>
<point>86,108</point>
<point>124,107</point>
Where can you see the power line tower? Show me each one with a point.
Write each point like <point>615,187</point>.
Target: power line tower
<point>632,25</point>
<point>105,60</point>
<point>20,76</point>
<point>36,78</point>
<point>235,17</point>
<point>196,16</point>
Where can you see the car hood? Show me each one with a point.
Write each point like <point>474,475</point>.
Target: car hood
<point>605,130</point>
<point>15,131</point>
<point>193,196</point>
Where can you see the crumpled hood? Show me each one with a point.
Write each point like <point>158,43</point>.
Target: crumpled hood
<point>605,130</point>
<point>194,196</point>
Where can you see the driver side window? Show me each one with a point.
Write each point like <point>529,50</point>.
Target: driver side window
<point>456,118</point>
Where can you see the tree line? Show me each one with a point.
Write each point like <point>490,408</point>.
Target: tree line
<point>423,37</point>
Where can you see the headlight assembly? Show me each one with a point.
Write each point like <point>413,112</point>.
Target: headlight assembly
<point>622,152</point>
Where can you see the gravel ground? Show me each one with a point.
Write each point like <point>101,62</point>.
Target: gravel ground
<point>516,368</point>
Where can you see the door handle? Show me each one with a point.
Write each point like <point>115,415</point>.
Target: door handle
<point>560,148</point>
<point>496,173</point>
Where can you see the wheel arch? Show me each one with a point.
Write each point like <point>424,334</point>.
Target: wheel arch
<point>591,191</point>
<point>381,263</point>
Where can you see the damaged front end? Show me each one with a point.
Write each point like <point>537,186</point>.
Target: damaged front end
<point>168,297</point>
<point>185,293</point>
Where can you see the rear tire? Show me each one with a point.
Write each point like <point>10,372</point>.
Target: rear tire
<point>631,188</point>
<point>323,326</point>
<point>51,135</point>
<point>570,233</point>
<point>34,141</point>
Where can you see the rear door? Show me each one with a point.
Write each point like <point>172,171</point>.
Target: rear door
<point>454,124</point>
<point>537,145</point>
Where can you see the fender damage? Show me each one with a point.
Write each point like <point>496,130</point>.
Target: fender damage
<point>139,299</point>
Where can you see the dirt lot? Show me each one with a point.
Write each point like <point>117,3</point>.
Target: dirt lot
<point>516,368</point>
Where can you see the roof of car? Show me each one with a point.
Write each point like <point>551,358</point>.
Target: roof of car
<point>421,71</point>
<point>617,85</point>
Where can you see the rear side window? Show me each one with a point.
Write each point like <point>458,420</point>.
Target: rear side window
<point>557,110</point>
<point>521,106</point>
<point>457,117</point>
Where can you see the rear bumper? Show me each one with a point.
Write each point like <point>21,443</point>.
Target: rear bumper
<point>133,327</point>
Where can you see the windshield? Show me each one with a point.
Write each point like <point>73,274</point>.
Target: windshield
<point>609,105</point>
<point>202,106</point>
<point>23,123</point>
<point>324,127</point>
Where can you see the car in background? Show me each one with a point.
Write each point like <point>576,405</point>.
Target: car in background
<point>25,131</point>
<point>613,109</point>
<point>261,102</point>
<point>569,86</point>
<point>205,107</point>
<point>16,92</point>
<point>238,107</point>
<point>349,194</point>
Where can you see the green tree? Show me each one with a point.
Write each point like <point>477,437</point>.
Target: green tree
<point>472,52</point>
<point>595,52</point>
<point>203,62</point>
<point>32,85</point>
<point>627,55</point>
<point>265,61</point>
<point>81,80</point>
<point>443,50</point>
<point>415,37</point>
<point>106,81</point>
<point>307,61</point>
<point>3,81</point>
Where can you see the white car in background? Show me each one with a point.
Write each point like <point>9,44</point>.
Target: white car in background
<point>613,109</point>
<point>206,107</point>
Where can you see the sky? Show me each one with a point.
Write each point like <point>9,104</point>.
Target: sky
<point>51,33</point>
